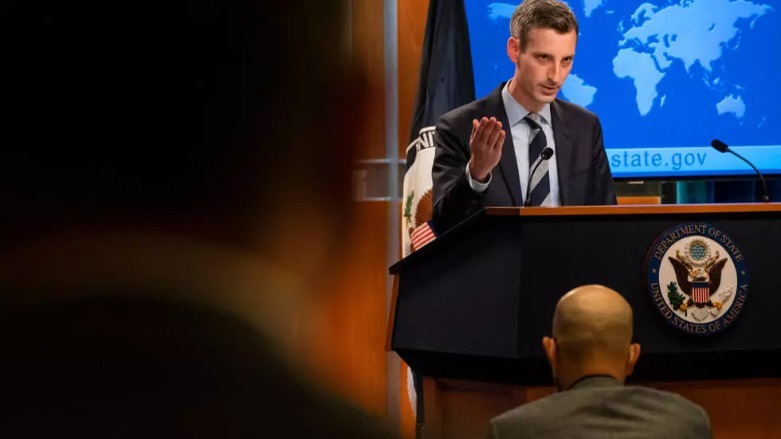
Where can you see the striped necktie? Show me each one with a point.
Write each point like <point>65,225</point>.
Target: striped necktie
<point>540,182</point>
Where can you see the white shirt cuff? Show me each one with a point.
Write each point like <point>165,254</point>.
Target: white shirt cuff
<point>476,185</point>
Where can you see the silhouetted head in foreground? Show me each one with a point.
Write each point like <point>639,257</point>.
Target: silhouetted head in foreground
<point>167,167</point>
<point>231,122</point>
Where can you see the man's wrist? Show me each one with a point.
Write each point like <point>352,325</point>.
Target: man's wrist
<point>477,186</point>
<point>476,176</point>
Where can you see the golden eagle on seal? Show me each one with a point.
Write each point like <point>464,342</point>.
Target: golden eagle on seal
<point>707,271</point>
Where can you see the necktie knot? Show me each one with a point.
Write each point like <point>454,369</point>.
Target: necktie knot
<point>534,120</point>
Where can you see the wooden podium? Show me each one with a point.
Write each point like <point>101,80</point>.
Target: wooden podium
<point>470,310</point>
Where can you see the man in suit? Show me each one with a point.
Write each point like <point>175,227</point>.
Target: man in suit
<point>487,149</point>
<point>590,355</point>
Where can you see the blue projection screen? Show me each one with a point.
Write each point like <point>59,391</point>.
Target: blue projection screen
<point>665,77</point>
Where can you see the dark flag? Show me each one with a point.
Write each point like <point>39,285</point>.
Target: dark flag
<point>446,82</point>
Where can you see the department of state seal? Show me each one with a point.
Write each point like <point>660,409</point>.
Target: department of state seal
<point>697,278</point>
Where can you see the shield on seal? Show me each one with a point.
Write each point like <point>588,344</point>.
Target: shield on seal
<point>700,292</point>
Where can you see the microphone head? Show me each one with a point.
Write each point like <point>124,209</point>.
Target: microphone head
<point>546,153</point>
<point>719,145</point>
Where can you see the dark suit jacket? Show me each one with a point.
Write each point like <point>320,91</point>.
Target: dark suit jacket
<point>584,174</point>
<point>602,407</point>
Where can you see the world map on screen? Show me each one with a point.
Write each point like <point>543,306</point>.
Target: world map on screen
<point>693,32</point>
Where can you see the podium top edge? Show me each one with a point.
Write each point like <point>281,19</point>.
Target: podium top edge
<point>626,209</point>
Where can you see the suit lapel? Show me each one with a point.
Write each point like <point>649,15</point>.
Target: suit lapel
<point>508,163</point>
<point>563,150</point>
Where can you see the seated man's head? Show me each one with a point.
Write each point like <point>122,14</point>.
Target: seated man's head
<point>592,334</point>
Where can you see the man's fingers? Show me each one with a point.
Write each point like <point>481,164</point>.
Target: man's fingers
<point>480,132</point>
<point>475,124</point>
<point>497,129</point>
<point>490,126</point>
<point>486,143</point>
<point>493,141</point>
<point>500,141</point>
<point>485,130</point>
<point>486,134</point>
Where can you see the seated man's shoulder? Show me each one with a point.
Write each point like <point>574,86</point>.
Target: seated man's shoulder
<point>615,409</point>
<point>532,410</point>
<point>662,401</point>
<point>534,419</point>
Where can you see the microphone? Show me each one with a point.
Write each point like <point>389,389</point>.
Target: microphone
<point>720,146</point>
<point>546,154</point>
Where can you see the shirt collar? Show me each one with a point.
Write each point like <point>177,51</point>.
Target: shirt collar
<point>516,112</point>
<point>595,381</point>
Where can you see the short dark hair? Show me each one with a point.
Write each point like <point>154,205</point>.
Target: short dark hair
<point>545,14</point>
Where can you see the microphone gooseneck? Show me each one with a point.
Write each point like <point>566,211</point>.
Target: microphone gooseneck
<point>545,155</point>
<point>723,147</point>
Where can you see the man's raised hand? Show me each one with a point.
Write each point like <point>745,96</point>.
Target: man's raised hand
<point>486,145</point>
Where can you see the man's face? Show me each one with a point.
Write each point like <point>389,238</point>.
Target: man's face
<point>541,69</point>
